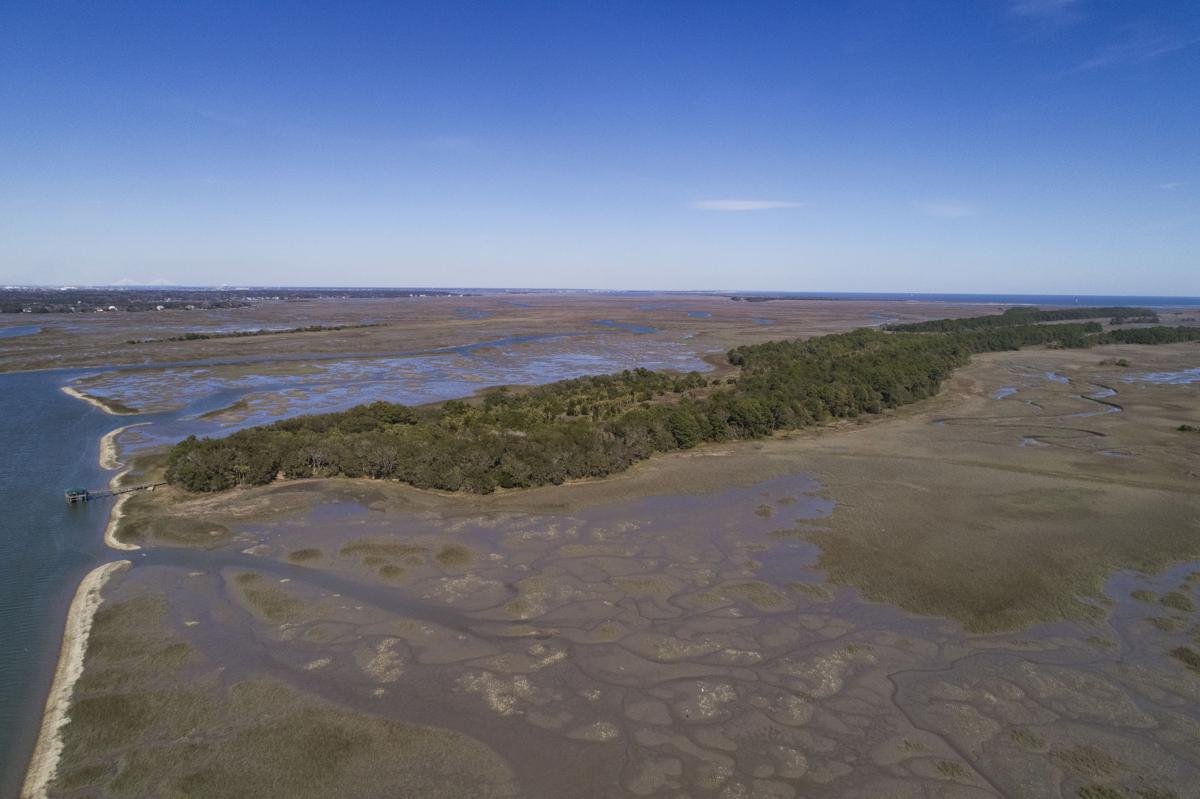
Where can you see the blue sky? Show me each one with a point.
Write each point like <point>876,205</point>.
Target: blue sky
<point>998,145</point>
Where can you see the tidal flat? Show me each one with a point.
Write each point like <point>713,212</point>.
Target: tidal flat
<point>917,605</point>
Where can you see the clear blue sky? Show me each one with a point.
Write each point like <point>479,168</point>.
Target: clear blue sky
<point>998,145</point>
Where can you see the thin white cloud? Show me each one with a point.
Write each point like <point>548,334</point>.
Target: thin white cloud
<point>1138,48</point>
<point>743,205</point>
<point>1171,185</point>
<point>946,210</point>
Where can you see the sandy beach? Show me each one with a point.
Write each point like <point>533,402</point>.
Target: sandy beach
<point>77,394</point>
<point>108,447</point>
<point>114,521</point>
<point>44,764</point>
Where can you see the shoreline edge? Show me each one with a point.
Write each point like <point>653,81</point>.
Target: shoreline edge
<point>43,766</point>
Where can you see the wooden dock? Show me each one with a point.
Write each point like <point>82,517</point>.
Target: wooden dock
<point>74,495</point>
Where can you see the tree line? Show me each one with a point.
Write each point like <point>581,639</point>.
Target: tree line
<point>1024,315</point>
<point>596,426</point>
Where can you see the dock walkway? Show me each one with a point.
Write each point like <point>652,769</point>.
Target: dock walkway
<point>74,495</point>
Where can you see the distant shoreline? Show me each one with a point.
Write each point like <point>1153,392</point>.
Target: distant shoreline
<point>43,766</point>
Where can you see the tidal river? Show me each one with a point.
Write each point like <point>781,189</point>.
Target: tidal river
<point>50,442</point>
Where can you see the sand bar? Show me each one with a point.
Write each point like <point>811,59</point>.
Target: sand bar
<point>44,765</point>
<point>108,447</point>
<point>77,394</point>
<point>114,521</point>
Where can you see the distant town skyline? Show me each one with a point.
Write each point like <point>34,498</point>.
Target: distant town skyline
<point>1004,146</point>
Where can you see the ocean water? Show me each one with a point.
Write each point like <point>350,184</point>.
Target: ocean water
<point>1147,301</point>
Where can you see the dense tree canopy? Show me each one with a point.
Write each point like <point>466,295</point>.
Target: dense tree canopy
<point>594,426</point>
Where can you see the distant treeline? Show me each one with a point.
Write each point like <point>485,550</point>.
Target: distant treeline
<point>247,333</point>
<point>1026,316</point>
<point>595,426</point>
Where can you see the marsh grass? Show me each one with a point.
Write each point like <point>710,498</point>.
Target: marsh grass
<point>268,601</point>
<point>1100,792</point>
<point>86,775</point>
<point>114,405</point>
<point>812,590</point>
<point>391,572</point>
<point>1087,761</point>
<point>761,595</point>
<point>381,549</point>
<point>266,740</point>
<point>1187,656</point>
<point>454,555</point>
<point>145,722</point>
<point>1166,624</point>
<point>1027,739</point>
<point>236,407</point>
<point>1142,595</point>
<point>120,634</point>
<point>304,555</point>
<point>144,520</point>
<point>951,770</point>
<point>1176,600</point>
